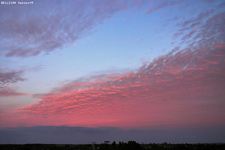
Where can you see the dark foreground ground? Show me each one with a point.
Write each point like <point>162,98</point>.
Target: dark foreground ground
<point>131,145</point>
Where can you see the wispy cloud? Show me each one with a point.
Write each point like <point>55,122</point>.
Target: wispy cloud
<point>50,25</point>
<point>7,91</point>
<point>204,30</point>
<point>11,77</point>
<point>161,5</point>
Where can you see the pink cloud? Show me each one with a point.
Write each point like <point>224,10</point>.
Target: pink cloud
<point>219,46</point>
<point>185,88</point>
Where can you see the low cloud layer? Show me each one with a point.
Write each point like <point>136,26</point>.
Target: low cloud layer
<point>82,135</point>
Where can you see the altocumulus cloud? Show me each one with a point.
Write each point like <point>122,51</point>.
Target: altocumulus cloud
<point>160,93</point>
<point>48,25</point>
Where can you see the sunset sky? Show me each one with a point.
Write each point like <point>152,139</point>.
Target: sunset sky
<point>145,70</point>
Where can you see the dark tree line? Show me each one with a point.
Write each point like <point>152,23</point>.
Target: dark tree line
<point>130,145</point>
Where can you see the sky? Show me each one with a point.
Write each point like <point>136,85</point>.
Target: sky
<point>145,70</point>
